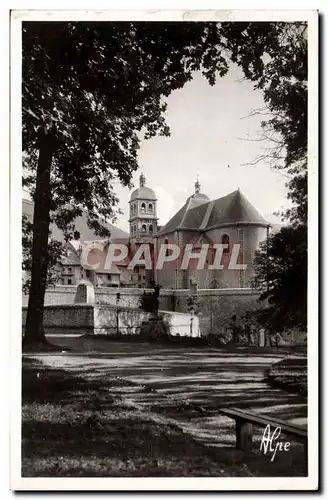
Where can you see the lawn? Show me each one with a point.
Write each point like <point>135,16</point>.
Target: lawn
<point>79,426</point>
<point>289,374</point>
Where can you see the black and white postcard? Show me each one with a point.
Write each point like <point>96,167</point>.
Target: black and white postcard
<point>164,213</point>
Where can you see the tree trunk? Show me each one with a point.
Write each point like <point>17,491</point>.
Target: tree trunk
<point>34,332</point>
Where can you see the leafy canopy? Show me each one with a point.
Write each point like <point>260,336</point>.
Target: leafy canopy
<point>103,86</point>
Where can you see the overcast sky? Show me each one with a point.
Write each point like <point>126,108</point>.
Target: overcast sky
<point>207,125</point>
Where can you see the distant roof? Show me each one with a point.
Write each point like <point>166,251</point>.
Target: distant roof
<point>231,209</point>
<point>71,257</point>
<point>81,226</point>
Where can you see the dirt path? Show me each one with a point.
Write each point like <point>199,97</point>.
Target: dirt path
<point>188,385</point>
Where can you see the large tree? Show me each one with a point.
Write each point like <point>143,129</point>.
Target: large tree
<point>90,89</point>
<point>281,275</point>
<point>275,59</point>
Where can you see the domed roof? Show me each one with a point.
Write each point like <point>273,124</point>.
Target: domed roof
<point>143,192</point>
<point>197,198</point>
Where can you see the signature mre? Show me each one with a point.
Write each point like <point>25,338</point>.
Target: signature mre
<point>270,443</point>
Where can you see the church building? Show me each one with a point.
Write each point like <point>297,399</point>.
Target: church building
<point>229,220</point>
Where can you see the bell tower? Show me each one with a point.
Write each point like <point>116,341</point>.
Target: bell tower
<point>143,213</point>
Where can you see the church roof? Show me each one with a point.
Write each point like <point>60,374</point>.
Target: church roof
<point>231,209</point>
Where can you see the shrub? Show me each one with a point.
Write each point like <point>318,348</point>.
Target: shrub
<point>155,329</point>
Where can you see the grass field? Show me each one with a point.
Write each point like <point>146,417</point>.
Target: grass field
<point>289,374</point>
<point>79,426</point>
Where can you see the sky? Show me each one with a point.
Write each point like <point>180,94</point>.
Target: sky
<point>208,127</point>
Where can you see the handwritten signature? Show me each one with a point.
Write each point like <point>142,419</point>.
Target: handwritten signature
<point>270,443</point>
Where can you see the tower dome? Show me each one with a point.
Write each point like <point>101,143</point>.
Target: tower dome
<point>197,198</point>
<point>143,192</point>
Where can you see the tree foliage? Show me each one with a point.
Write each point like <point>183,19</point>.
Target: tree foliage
<point>56,251</point>
<point>281,275</point>
<point>274,57</point>
<point>90,91</point>
<point>100,84</point>
<point>149,301</point>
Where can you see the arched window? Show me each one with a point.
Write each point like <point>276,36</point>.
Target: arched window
<point>143,228</point>
<point>167,252</point>
<point>143,207</point>
<point>151,229</point>
<point>225,241</point>
<point>150,207</point>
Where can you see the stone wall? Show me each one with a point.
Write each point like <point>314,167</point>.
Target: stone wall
<point>215,308</point>
<point>104,295</point>
<point>110,320</point>
<point>104,319</point>
<point>68,318</point>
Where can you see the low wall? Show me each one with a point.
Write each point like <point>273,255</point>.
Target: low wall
<point>64,319</point>
<point>108,320</point>
<point>215,307</point>
<point>64,294</point>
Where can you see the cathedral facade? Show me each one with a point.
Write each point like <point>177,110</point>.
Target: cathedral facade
<point>230,220</point>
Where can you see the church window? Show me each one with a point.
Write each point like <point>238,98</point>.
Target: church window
<point>167,252</point>
<point>225,241</point>
<point>150,207</point>
<point>143,207</point>
<point>151,228</point>
<point>143,228</point>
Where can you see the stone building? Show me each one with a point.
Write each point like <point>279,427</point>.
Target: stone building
<point>228,220</point>
<point>69,269</point>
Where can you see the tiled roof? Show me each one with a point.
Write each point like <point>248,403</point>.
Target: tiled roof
<point>231,209</point>
<point>178,220</point>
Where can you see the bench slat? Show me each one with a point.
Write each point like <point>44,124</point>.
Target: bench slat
<point>251,417</point>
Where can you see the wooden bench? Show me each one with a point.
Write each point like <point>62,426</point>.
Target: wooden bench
<point>244,427</point>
